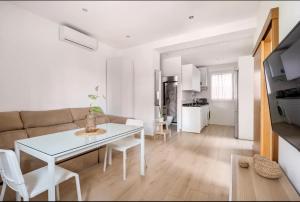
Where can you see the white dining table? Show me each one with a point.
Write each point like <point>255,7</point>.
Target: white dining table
<point>56,147</point>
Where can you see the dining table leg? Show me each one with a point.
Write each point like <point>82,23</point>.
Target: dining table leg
<point>51,174</point>
<point>142,163</point>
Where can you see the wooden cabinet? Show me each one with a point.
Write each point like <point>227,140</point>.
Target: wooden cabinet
<point>247,185</point>
<point>191,78</point>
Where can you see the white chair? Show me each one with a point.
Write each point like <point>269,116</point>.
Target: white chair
<point>159,127</point>
<point>122,145</point>
<point>33,183</point>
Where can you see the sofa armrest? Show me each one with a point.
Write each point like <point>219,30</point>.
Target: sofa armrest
<point>117,119</point>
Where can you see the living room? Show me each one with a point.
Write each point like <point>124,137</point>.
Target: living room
<point>82,95</point>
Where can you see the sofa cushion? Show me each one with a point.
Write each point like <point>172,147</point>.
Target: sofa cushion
<point>80,123</point>
<point>33,132</point>
<point>33,119</point>
<point>102,119</point>
<point>79,113</point>
<point>116,119</point>
<point>99,120</point>
<point>10,121</point>
<point>8,138</point>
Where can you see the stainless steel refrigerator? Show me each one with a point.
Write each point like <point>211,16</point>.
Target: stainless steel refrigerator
<point>170,90</point>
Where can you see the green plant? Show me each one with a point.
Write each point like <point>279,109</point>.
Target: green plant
<point>94,107</point>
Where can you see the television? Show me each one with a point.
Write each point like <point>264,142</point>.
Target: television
<point>282,74</point>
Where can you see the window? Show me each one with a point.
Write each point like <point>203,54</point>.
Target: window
<point>221,86</point>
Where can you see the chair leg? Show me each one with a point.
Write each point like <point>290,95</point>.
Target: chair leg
<point>124,164</point>
<point>78,190</point>
<point>18,198</point>
<point>57,193</point>
<point>25,198</point>
<point>3,191</point>
<point>105,159</point>
<point>109,156</point>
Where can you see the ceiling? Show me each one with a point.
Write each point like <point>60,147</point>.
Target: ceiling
<point>143,21</point>
<point>214,54</point>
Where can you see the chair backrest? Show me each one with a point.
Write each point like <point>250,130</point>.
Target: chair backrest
<point>10,171</point>
<point>169,120</point>
<point>134,122</point>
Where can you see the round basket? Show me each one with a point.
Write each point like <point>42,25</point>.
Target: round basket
<point>99,131</point>
<point>243,163</point>
<point>266,168</point>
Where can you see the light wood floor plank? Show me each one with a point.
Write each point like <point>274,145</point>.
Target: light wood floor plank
<point>187,167</point>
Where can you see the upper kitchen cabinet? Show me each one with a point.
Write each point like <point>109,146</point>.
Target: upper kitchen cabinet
<point>191,78</point>
<point>203,72</point>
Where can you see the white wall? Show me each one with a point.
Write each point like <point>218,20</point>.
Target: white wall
<point>246,97</point>
<point>145,61</point>
<point>171,67</point>
<point>40,72</point>
<point>289,15</point>
<point>290,162</point>
<point>120,87</point>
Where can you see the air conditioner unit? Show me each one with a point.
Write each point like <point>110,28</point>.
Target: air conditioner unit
<point>75,37</point>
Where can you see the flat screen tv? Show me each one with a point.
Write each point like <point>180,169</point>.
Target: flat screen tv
<point>282,74</point>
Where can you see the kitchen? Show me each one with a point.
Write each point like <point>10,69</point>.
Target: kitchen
<point>195,107</point>
<point>206,89</point>
<point>184,95</point>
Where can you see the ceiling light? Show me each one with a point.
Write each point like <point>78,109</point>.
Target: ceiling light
<point>191,17</point>
<point>128,36</point>
<point>84,9</point>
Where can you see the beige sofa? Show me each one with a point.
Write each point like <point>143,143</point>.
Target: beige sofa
<point>26,124</point>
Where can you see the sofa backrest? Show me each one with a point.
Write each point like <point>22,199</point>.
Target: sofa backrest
<point>39,123</point>
<point>10,121</point>
<point>24,124</point>
<point>32,119</point>
<point>11,129</point>
<point>80,114</point>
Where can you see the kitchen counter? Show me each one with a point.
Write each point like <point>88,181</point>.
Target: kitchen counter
<point>194,105</point>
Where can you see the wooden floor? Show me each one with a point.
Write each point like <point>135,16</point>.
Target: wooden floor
<point>188,167</point>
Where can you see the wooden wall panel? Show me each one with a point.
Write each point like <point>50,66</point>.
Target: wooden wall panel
<point>266,141</point>
<point>257,98</point>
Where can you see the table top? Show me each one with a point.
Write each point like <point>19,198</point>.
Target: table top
<point>56,143</point>
<point>247,185</point>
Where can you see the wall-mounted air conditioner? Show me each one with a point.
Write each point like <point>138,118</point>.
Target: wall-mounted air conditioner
<point>75,37</point>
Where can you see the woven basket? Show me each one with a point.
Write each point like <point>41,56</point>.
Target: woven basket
<point>266,168</point>
<point>83,132</point>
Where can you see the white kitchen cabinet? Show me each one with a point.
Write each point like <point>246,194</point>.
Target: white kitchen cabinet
<point>191,78</point>
<point>203,73</point>
<point>204,115</point>
<point>194,119</point>
<point>191,119</point>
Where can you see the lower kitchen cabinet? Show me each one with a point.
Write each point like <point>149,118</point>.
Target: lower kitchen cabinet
<point>194,119</point>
